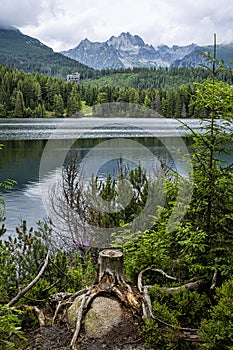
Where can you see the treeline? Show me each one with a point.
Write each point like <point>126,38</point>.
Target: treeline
<point>25,95</point>
<point>174,103</point>
<point>152,78</point>
<point>50,63</point>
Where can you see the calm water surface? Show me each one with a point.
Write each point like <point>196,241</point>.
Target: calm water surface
<point>26,143</point>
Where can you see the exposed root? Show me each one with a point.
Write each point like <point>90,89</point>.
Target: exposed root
<point>188,334</point>
<point>40,316</point>
<point>110,281</point>
<point>161,272</point>
<point>78,322</point>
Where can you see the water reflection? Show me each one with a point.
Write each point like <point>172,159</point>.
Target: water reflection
<point>24,143</point>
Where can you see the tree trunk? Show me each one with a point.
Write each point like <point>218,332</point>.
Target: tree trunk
<point>110,278</point>
<point>110,267</point>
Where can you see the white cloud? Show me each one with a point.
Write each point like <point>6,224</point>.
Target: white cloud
<point>19,13</point>
<point>62,24</point>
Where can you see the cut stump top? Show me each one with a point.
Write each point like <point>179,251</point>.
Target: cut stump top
<point>111,253</point>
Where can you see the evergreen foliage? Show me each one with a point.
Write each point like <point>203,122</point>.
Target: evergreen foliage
<point>45,96</point>
<point>201,245</point>
<point>36,95</point>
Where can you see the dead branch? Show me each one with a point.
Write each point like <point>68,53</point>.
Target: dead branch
<point>164,274</point>
<point>52,285</point>
<point>57,267</point>
<point>214,279</point>
<point>190,286</point>
<point>31,284</point>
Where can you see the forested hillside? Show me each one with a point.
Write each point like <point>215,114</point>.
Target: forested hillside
<point>171,92</point>
<point>29,54</point>
<point>152,78</point>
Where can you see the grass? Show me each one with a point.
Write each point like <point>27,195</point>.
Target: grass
<point>86,110</point>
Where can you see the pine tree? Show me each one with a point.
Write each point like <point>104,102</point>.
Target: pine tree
<point>19,105</point>
<point>74,102</point>
<point>58,106</point>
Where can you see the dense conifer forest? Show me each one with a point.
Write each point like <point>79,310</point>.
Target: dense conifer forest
<point>170,92</point>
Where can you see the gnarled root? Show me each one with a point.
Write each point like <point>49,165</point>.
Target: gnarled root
<point>188,334</point>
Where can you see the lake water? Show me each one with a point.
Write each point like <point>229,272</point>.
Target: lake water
<point>35,150</point>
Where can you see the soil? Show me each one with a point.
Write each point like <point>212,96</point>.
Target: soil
<point>126,336</point>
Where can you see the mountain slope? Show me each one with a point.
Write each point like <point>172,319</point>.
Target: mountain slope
<point>127,51</point>
<point>30,55</point>
<point>95,55</point>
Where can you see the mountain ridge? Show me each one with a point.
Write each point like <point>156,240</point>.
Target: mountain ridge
<point>127,51</point>
<point>29,54</point>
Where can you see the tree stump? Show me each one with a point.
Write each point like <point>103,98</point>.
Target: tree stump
<point>110,267</point>
<point>109,282</point>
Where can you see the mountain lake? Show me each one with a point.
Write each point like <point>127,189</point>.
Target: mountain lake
<point>35,151</point>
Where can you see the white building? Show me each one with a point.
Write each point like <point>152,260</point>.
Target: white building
<point>75,77</point>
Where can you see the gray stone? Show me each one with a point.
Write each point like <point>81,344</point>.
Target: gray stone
<point>104,314</point>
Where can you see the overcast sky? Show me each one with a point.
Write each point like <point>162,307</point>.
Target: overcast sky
<point>62,24</point>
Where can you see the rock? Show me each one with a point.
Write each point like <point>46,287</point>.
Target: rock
<point>104,314</point>
<point>73,310</point>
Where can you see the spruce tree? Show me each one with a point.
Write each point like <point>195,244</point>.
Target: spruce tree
<point>19,105</point>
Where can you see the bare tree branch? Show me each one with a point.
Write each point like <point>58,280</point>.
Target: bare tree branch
<point>191,286</point>
<point>31,284</point>
<point>214,279</point>
<point>164,274</point>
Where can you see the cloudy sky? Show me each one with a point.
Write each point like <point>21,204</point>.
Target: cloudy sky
<point>62,24</point>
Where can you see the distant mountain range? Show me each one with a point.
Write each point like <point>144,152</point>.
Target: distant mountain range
<point>127,50</point>
<point>29,54</point>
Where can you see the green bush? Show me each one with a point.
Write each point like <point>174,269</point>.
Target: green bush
<point>217,331</point>
<point>11,335</point>
<point>182,308</point>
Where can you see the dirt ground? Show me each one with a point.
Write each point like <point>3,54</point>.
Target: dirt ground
<point>126,336</point>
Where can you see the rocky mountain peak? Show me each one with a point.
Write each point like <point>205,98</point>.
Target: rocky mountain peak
<point>127,51</point>
<point>126,42</point>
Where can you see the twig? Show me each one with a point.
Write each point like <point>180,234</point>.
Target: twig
<point>214,279</point>
<point>35,300</point>
<point>32,283</point>
<point>133,341</point>
<point>51,286</point>
<point>57,267</point>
